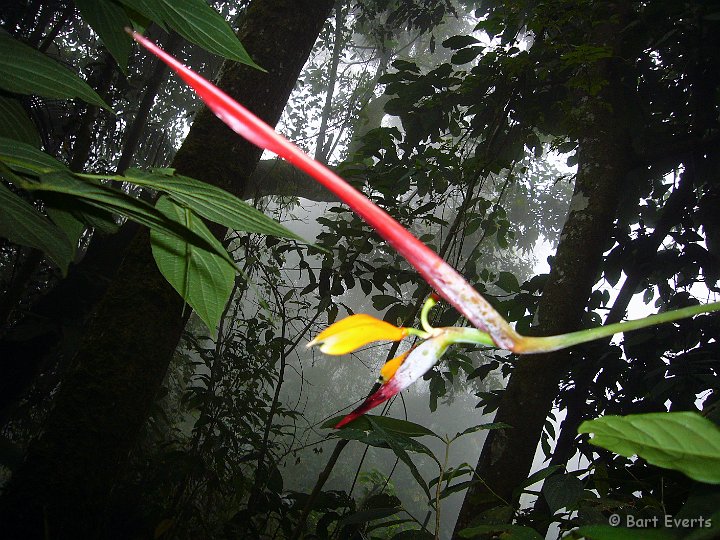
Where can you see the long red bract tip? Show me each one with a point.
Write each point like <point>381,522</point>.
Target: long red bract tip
<point>440,275</point>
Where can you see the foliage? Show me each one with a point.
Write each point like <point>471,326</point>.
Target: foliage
<point>473,110</point>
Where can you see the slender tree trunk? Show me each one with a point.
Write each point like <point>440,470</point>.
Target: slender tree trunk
<point>63,488</point>
<point>604,161</point>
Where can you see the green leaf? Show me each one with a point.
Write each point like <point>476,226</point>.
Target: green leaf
<point>16,124</point>
<point>382,301</point>
<point>562,491</point>
<point>21,223</point>
<point>483,427</point>
<point>212,203</point>
<point>459,42</point>
<point>508,282</point>
<point>393,425</point>
<point>109,20</point>
<point>146,8</point>
<point>399,451</point>
<point>27,71</point>
<point>506,532</point>
<point>116,201</point>
<point>683,441</point>
<point>70,225</point>
<point>24,158</point>
<point>203,278</point>
<point>197,22</point>
<point>539,475</point>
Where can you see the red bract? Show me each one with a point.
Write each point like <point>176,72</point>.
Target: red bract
<point>440,275</point>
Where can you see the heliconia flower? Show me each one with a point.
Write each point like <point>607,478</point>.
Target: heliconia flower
<point>356,331</point>
<point>446,281</point>
<point>415,364</point>
<point>391,366</point>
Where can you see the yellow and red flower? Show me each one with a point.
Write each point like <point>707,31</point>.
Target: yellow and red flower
<point>356,331</point>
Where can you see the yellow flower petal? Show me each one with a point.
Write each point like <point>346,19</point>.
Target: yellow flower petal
<point>354,332</point>
<point>391,366</point>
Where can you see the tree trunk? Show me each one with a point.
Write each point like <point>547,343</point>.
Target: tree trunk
<point>604,159</point>
<point>63,488</point>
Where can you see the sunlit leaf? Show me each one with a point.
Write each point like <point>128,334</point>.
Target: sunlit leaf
<point>202,277</point>
<point>683,441</point>
<point>27,71</point>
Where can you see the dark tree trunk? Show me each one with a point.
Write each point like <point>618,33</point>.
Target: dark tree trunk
<point>63,488</point>
<point>605,158</point>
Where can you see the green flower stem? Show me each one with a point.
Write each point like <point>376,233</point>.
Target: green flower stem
<point>456,334</point>
<point>419,333</point>
<point>429,304</point>
<point>530,345</point>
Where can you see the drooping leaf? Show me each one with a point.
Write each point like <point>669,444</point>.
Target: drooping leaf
<point>25,158</point>
<point>683,441</point>
<point>21,223</point>
<point>202,277</point>
<point>197,22</point>
<point>109,21</point>
<point>212,203</point>
<point>27,71</point>
<point>16,124</point>
<point>116,201</point>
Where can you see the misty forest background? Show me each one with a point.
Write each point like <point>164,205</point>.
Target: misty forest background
<point>563,155</point>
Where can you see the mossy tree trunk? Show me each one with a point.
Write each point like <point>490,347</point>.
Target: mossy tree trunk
<point>63,488</point>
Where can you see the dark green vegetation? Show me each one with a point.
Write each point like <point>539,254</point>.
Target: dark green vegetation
<point>121,419</point>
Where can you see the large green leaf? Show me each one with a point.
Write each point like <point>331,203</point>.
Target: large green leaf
<point>27,71</point>
<point>197,22</point>
<point>109,20</point>
<point>212,203</point>
<point>683,441</point>
<point>393,425</point>
<point>118,202</point>
<point>25,158</point>
<point>16,124</point>
<point>203,278</point>
<point>21,223</point>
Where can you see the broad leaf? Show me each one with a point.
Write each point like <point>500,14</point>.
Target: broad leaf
<point>21,223</point>
<point>683,441</point>
<point>109,20</point>
<point>116,201</point>
<point>16,124</point>
<point>363,516</point>
<point>25,158</point>
<point>212,203</point>
<point>203,278</point>
<point>27,71</point>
